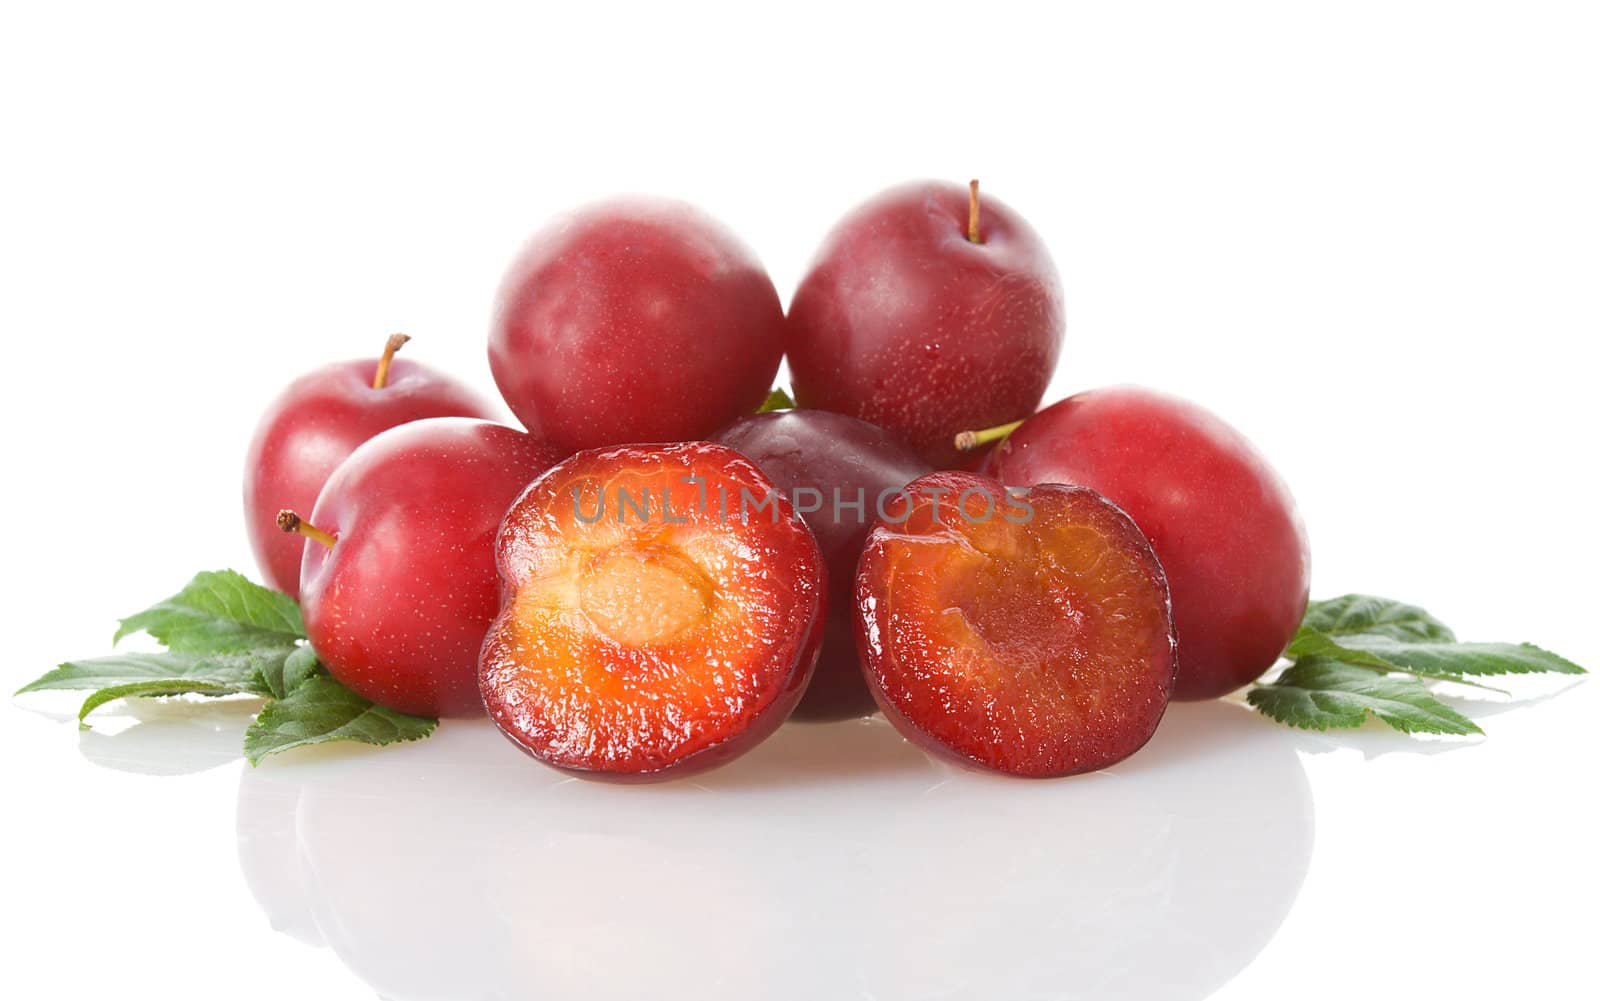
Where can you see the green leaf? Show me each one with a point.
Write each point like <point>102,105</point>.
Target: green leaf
<point>219,611</point>
<point>145,674</point>
<point>1364,614</point>
<point>240,671</point>
<point>285,676</point>
<point>1385,635</point>
<point>1441,661</point>
<point>776,400</point>
<point>151,689</point>
<point>228,636</point>
<point>319,710</point>
<point>1309,643</point>
<point>1445,660</point>
<point>1319,694</point>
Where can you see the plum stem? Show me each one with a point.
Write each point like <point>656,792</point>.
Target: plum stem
<point>972,212</point>
<point>288,521</point>
<point>393,344</point>
<point>966,441</point>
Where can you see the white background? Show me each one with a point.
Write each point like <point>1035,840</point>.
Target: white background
<point>1365,233</point>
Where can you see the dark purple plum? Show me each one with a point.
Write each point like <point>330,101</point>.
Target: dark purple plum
<point>814,457</point>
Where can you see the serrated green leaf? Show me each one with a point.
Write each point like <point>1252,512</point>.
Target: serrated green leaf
<point>1368,615</point>
<point>1445,660</point>
<point>219,610</point>
<point>319,710</point>
<point>283,677</point>
<point>147,674</point>
<point>1310,643</point>
<point>1441,661</point>
<point>1385,635</point>
<point>238,671</point>
<point>776,400</point>
<point>1319,694</point>
<point>229,636</point>
<point>151,689</point>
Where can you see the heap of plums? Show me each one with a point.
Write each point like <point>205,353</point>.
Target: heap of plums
<point>653,575</point>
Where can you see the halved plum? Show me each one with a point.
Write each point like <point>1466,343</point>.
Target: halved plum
<point>662,606</point>
<point>1027,631</point>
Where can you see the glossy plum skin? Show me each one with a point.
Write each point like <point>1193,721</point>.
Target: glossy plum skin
<point>1029,633</point>
<point>398,607</point>
<point>905,323</point>
<point>634,321</point>
<point>634,648</point>
<point>839,457</point>
<point>312,426</point>
<point>1220,519</point>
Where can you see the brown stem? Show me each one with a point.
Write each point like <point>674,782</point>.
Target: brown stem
<point>966,441</point>
<point>972,211</point>
<point>288,521</point>
<point>393,344</point>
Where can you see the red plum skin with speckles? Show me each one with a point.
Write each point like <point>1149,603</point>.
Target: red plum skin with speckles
<point>398,607</point>
<point>1220,519</point>
<point>314,425</point>
<point>634,320</point>
<point>905,323</point>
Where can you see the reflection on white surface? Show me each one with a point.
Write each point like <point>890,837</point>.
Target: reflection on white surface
<point>834,861</point>
<point>168,737</point>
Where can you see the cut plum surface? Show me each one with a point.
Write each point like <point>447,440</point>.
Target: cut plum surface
<point>663,605</point>
<point>1027,631</point>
